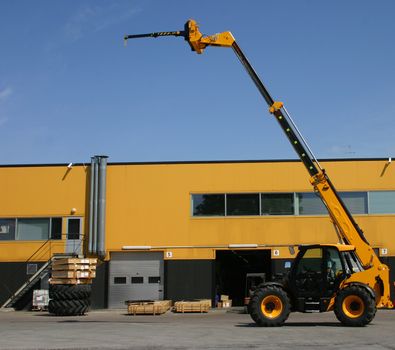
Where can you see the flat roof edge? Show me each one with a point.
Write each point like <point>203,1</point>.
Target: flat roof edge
<point>196,162</point>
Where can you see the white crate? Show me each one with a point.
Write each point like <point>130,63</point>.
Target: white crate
<point>40,298</point>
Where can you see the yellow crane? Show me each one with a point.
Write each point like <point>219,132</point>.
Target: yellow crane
<point>347,278</point>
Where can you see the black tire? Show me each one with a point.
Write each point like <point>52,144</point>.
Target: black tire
<point>269,306</point>
<point>69,307</point>
<point>355,306</point>
<point>69,292</point>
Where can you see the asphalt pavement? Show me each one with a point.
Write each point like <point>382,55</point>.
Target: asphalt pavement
<point>113,329</point>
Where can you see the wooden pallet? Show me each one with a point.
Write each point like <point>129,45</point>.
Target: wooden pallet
<point>73,274</point>
<point>148,307</point>
<point>74,267</point>
<point>192,306</point>
<point>65,261</point>
<point>70,280</point>
<point>73,271</point>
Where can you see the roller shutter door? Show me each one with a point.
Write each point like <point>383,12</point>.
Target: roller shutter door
<point>135,276</point>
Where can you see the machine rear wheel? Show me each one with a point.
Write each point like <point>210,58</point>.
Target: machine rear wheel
<point>355,307</point>
<point>269,306</point>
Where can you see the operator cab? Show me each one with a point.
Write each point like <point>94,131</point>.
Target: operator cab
<point>317,273</point>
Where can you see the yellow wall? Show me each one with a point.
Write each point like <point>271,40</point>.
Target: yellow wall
<point>40,191</point>
<point>150,205</point>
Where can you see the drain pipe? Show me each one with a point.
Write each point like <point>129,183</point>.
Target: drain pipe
<point>95,201</point>
<point>101,222</point>
<point>91,196</point>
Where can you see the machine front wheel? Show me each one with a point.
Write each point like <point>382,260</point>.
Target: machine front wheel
<point>355,307</point>
<point>269,306</point>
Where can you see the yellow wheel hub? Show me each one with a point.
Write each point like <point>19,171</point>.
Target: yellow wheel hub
<point>271,306</point>
<point>353,306</point>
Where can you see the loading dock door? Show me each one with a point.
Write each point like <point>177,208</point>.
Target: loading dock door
<point>232,267</point>
<point>135,276</point>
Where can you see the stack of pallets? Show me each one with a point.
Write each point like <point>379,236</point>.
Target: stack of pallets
<point>148,307</point>
<point>70,286</point>
<point>73,271</point>
<point>202,305</point>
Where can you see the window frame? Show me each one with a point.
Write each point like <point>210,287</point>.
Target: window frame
<point>366,195</point>
<point>16,221</point>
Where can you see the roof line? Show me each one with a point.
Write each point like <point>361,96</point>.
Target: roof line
<point>198,162</point>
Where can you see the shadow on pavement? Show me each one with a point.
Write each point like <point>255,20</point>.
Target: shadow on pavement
<point>293,324</point>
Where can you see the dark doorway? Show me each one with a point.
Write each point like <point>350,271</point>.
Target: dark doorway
<point>231,268</point>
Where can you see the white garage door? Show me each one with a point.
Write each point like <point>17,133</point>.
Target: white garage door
<point>135,276</point>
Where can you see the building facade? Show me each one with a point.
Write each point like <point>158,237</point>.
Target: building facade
<point>183,230</point>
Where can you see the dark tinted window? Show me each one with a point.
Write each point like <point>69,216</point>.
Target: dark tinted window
<point>137,280</point>
<point>208,204</point>
<point>242,204</point>
<point>311,204</point>
<point>74,229</point>
<point>277,203</point>
<point>56,228</point>
<point>7,229</point>
<point>119,280</point>
<point>155,279</point>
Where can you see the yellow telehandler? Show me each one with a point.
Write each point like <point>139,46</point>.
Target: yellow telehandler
<point>347,278</point>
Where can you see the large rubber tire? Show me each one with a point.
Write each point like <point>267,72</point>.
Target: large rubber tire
<point>355,306</point>
<point>269,306</point>
<point>69,307</point>
<point>69,292</point>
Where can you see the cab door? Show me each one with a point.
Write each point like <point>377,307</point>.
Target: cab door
<point>315,277</point>
<point>308,278</point>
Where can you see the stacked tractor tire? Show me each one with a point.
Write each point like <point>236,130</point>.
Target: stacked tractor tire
<point>70,286</point>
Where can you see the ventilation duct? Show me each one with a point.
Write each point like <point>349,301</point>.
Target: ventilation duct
<point>97,206</point>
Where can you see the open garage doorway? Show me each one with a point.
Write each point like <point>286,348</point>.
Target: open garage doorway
<point>232,268</point>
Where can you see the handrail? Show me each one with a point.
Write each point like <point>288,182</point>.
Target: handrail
<point>48,251</point>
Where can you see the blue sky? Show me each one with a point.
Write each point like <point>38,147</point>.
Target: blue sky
<point>69,89</point>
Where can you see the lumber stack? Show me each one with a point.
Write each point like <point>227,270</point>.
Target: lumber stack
<point>158,307</point>
<point>202,305</point>
<point>70,286</point>
<point>73,271</point>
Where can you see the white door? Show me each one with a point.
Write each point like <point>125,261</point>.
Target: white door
<point>74,236</point>
<point>135,276</point>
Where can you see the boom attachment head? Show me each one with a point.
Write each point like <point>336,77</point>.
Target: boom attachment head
<point>193,36</point>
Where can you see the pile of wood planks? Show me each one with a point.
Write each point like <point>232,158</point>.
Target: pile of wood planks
<point>202,305</point>
<point>73,271</point>
<point>148,307</point>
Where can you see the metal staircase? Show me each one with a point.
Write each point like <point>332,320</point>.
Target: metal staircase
<point>41,272</point>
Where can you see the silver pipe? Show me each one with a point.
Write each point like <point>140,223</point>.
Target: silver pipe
<point>90,237</point>
<point>101,251</point>
<point>95,201</point>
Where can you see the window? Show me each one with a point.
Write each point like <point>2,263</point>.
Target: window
<point>31,269</point>
<point>7,229</point>
<point>300,203</point>
<point>119,280</point>
<point>382,202</point>
<point>56,228</point>
<point>310,204</point>
<point>137,280</point>
<point>32,229</point>
<point>154,280</point>
<point>356,202</point>
<point>311,261</point>
<point>277,203</point>
<point>208,204</point>
<point>242,204</point>
<point>73,229</point>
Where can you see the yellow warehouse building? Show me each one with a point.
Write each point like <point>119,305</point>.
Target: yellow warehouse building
<point>179,230</point>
